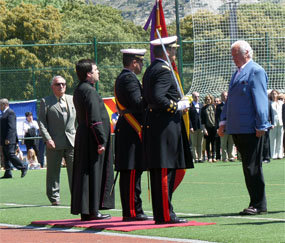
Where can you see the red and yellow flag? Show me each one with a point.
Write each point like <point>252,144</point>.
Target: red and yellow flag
<point>110,105</point>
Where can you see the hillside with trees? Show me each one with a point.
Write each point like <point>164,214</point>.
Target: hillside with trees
<point>34,66</point>
<point>41,38</point>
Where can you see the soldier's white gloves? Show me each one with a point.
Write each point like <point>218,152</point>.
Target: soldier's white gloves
<point>182,105</point>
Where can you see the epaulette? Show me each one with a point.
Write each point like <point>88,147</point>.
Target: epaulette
<point>164,66</point>
<point>172,107</point>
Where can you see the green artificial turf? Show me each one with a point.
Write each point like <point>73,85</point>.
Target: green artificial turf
<point>209,193</point>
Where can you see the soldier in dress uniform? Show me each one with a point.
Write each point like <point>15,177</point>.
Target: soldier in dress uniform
<point>128,138</point>
<point>165,143</point>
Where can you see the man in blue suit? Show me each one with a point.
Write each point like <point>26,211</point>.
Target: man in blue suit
<point>245,116</point>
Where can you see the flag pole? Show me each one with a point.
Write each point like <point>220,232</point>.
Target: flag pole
<point>179,51</point>
<point>168,60</point>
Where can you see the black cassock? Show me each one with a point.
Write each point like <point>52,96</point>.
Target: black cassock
<point>93,174</point>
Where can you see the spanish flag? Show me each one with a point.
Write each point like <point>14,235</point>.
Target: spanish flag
<point>158,23</point>
<point>110,105</point>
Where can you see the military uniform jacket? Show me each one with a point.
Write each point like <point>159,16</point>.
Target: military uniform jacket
<point>165,141</point>
<point>92,173</point>
<point>128,146</point>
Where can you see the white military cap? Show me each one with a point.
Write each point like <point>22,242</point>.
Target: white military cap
<point>167,41</point>
<point>138,53</point>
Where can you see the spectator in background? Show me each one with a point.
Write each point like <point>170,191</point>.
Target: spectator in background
<point>9,140</point>
<point>276,133</point>
<point>266,154</point>
<point>42,151</point>
<point>196,130</point>
<point>227,143</point>
<point>30,128</point>
<point>57,127</point>
<point>32,160</point>
<point>19,153</point>
<point>217,101</point>
<point>217,139</point>
<point>283,120</point>
<point>208,121</point>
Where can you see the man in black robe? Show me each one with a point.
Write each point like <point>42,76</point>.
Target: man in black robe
<point>93,169</point>
<point>165,143</point>
<point>128,140</point>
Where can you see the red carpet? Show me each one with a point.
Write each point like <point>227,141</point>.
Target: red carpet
<point>115,223</point>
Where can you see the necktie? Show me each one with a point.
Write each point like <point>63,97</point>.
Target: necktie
<point>237,74</point>
<point>63,108</point>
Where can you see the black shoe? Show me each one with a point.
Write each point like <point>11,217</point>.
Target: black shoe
<point>55,203</point>
<point>139,217</point>
<point>97,216</point>
<point>252,211</point>
<point>7,176</point>
<point>24,171</point>
<point>174,220</point>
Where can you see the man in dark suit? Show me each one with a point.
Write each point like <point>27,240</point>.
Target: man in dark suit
<point>165,142</point>
<point>283,120</point>
<point>57,126</point>
<point>227,142</point>
<point>9,140</point>
<point>245,116</point>
<point>196,127</point>
<point>128,137</point>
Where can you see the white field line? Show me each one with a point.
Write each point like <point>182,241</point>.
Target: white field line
<point>150,212</point>
<point>103,233</point>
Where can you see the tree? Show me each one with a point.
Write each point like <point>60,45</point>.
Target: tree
<point>26,24</point>
<point>84,22</point>
<point>76,22</point>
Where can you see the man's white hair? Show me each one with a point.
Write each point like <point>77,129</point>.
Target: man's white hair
<point>195,93</point>
<point>244,46</point>
<point>4,101</point>
<point>56,77</point>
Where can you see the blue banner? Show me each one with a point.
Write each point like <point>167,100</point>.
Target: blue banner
<point>20,108</point>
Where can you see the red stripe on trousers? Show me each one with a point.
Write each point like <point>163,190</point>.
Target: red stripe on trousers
<point>132,193</point>
<point>164,190</point>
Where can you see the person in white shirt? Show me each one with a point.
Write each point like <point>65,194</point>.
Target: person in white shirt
<point>30,128</point>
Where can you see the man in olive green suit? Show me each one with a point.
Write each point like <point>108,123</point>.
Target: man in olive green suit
<point>57,121</point>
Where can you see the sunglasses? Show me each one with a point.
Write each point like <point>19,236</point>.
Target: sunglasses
<point>59,84</point>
